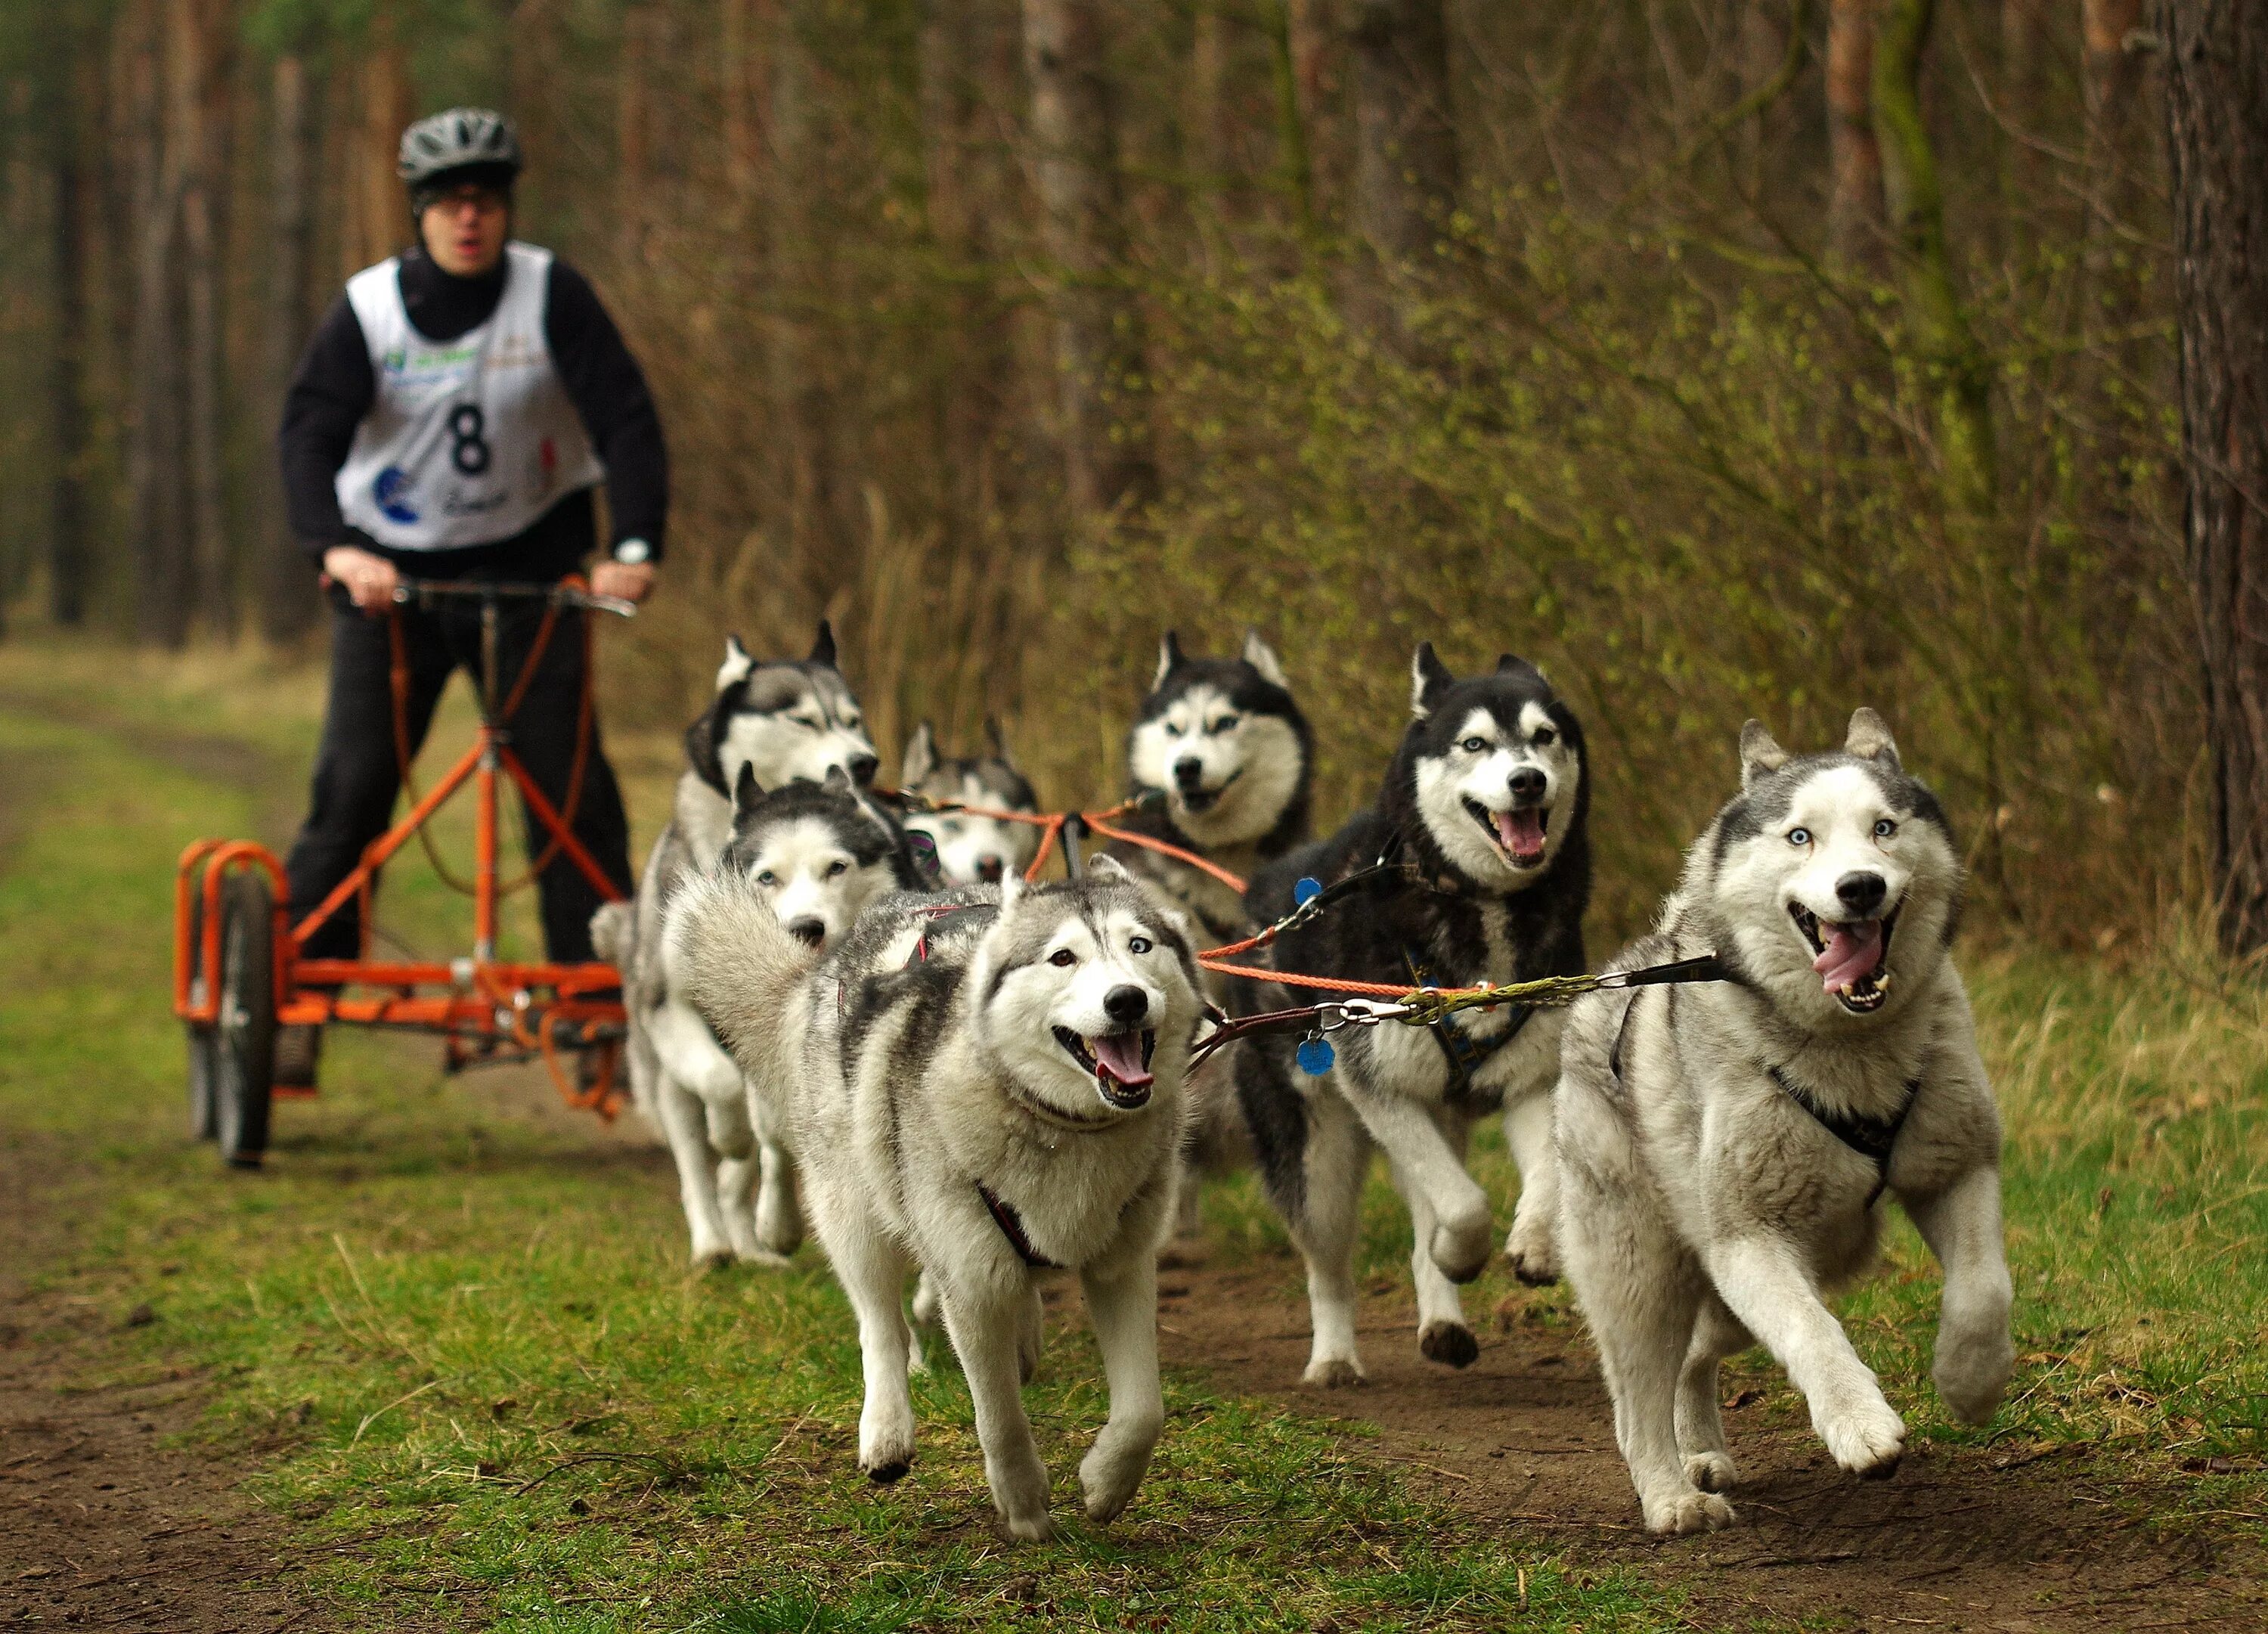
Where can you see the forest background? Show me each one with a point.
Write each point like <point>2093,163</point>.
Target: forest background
<point>1724,357</point>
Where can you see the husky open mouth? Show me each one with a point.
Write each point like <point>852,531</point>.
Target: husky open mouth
<point>1202,800</point>
<point>1852,958</point>
<point>1519,833</point>
<point>1119,1062</point>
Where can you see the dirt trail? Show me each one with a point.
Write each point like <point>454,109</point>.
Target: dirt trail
<point>1959,1539</point>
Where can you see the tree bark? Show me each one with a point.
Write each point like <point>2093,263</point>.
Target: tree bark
<point>69,543</point>
<point>1960,377</point>
<point>1854,158</point>
<point>288,598</point>
<point>1405,164</point>
<point>159,516</point>
<point>192,78</point>
<point>1098,337</point>
<point>2216,55</point>
<point>377,208</point>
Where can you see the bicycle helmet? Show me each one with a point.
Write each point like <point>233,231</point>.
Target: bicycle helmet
<point>477,141</point>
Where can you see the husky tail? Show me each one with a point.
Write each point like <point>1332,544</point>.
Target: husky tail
<point>740,968</point>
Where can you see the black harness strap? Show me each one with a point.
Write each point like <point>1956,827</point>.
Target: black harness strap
<point>1011,1227</point>
<point>1872,1139</point>
<point>1465,1054</point>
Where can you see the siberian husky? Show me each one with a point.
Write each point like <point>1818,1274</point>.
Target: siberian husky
<point>1723,1147</point>
<point>970,850</point>
<point>782,722</point>
<point>1481,869</point>
<point>980,1084</point>
<point>1222,760</point>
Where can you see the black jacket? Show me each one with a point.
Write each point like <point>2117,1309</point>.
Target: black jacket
<point>335,389</point>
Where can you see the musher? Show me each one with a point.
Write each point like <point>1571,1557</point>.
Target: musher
<point>449,421</point>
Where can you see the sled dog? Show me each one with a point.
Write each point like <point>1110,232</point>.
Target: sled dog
<point>1478,870</point>
<point>1723,1147</point>
<point>782,722</point>
<point>1221,759</point>
<point>970,850</point>
<point>981,1084</point>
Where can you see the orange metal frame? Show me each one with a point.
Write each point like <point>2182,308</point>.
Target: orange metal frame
<point>479,1005</point>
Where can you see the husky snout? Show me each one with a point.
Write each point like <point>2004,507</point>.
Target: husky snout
<point>1528,785</point>
<point>809,929</point>
<point>1861,891</point>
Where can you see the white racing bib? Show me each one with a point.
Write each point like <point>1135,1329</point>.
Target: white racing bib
<point>468,441</point>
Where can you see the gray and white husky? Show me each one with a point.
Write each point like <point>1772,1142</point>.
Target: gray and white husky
<point>1723,1147</point>
<point>970,850</point>
<point>981,1084</point>
<point>780,722</point>
<point>1480,827</point>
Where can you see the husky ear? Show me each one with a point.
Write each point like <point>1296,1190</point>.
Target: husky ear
<point>1262,658</point>
<point>837,781</point>
<point>1169,659</point>
<point>746,790</point>
<point>1109,870</point>
<point>738,662</point>
<point>1513,664</point>
<point>920,758</point>
<point>1012,886</point>
<point>822,648</point>
<point>1870,738</point>
<point>1429,679</point>
<point>1760,753</point>
<point>996,740</point>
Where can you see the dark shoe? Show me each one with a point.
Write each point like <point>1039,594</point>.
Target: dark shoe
<point>298,1051</point>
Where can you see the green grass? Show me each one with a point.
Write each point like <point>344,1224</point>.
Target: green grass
<point>481,1382</point>
<point>463,1343</point>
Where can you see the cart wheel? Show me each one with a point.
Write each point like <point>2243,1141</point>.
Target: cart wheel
<point>204,1115</point>
<point>244,1044</point>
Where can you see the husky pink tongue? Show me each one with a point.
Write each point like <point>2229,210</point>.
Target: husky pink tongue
<point>1853,951</point>
<point>1522,832</point>
<point>1120,1056</point>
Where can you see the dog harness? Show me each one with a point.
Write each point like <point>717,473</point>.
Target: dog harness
<point>1465,1054</point>
<point>1011,1226</point>
<point>1872,1139</point>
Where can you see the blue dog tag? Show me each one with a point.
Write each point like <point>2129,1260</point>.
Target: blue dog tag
<point>1316,1056</point>
<point>1305,891</point>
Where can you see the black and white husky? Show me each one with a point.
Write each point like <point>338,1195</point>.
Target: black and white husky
<point>981,1084</point>
<point>1221,758</point>
<point>780,722</point>
<point>970,850</point>
<point>1481,830</point>
<point>1723,1147</point>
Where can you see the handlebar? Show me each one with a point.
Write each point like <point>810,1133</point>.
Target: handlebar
<point>567,593</point>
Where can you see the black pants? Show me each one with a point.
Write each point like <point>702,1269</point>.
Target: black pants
<point>357,778</point>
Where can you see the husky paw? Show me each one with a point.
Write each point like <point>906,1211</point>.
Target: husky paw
<point>1109,1476</point>
<point>1970,1378</point>
<point>888,1473</point>
<point>1712,1472</point>
<point>757,1255</point>
<point>1532,1258</point>
<point>1682,1513</point>
<point>1868,1441</point>
<point>1334,1372</point>
<point>1029,1529</point>
<point>1450,1344</point>
<point>1461,1253</point>
<point>714,1257</point>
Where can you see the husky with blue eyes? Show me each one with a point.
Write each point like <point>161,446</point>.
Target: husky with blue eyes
<point>1476,869</point>
<point>982,1084</point>
<point>971,850</point>
<point>1725,1148</point>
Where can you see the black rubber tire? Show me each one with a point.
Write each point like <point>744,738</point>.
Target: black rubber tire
<point>204,1110</point>
<point>245,1040</point>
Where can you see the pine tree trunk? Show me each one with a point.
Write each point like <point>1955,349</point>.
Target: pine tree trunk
<point>1405,161</point>
<point>158,521</point>
<point>288,597</point>
<point>2216,55</point>
<point>1099,338</point>
<point>68,544</point>
<point>1854,158</point>
<point>378,210</point>
<point>192,78</point>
